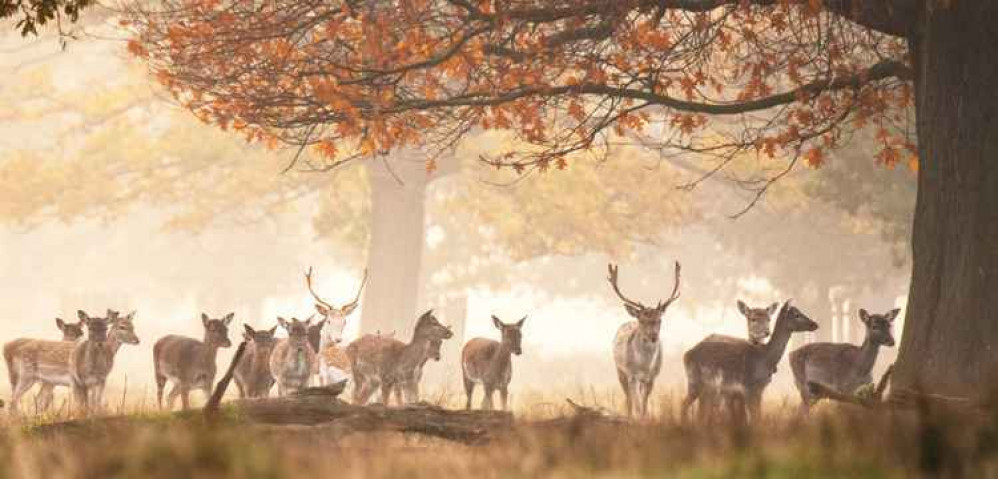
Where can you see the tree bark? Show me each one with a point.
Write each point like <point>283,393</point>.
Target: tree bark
<point>395,250</point>
<point>950,342</point>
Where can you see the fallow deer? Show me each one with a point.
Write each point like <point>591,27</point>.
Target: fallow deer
<point>252,375</point>
<point>758,321</point>
<point>408,379</point>
<point>33,361</point>
<point>293,359</point>
<point>844,367</point>
<point>389,364</point>
<point>636,348</point>
<point>491,363</point>
<point>737,370</point>
<point>332,358</point>
<point>91,362</point>
<point>188,363</point>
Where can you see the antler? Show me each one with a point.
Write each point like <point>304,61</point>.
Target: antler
<point>308,282</point>
<point>612,268</point>
<point>675,289</point>
<point>349,306</point>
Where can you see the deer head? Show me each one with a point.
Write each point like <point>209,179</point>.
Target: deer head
<point>511,333</point>
<point>758,321</point>
<point>334,319</point>
<point>297,331</point>
<point>216,331</point>
<point>794,320</point>
<point>649,319</point>
<point>123,329</point>
<point>96,327</point>
<point>70,331</point>
<point>878,326</point>
<point>260,337</point>
<point>428,326</point>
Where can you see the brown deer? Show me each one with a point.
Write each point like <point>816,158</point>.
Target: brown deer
<point>252,375</point>
<point>758,321</point>
<point>188,363</point>
<point>737,370</point>
<point>636,348</point>
<point>329,336</point>
<point>491,363</point>
<point>91,362</point>
<point>293,359</point>
<point>31,361</point>
<point>389,364</point>
<point>843,367</point>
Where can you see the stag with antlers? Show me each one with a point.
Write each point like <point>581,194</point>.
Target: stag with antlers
<point>334,366</point>
<point>636,349</point>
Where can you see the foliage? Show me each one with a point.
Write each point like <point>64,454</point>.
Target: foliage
<point>789,79</point>
<point>32,14</point>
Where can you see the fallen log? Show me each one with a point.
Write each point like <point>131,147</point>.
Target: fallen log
<point>469,427</point>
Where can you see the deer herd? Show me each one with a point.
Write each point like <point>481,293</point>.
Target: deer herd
<point>721,371</point>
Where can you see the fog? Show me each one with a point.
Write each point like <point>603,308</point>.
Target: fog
<point>213,225</point>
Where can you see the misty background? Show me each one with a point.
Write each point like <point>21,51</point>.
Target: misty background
<point>112,197</point>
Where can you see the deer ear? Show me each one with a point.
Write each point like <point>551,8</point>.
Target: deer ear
<point>249,329</point>
<point>893,314</point>
<point>228,318</point>
<point>632,310</point>
<point>496,322</point>
<point>283,322</point>
<point>348,309</point>
<point>519,324</point>
<point>321,309</point>
<point>864,316</point>
<point>772,308</point>
<point>743,308</point>
<point>83,316</point>
<point>204,319</point>
<point>131,316</point>
<point>273,330</point>
<point>60,323</point>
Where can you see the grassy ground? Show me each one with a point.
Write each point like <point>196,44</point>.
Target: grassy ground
<point>838,441</point>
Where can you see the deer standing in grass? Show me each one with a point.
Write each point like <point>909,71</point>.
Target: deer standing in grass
<point>637,351</point>
<point>735,371</point>
<point>293,359</point>
<point>35,361</point>
<point>252,375</point>
<point>844,367</point>
<point>380,362</point>
<point>333,363</point>
<point>188,363</point>
<point>491,363</point>
<point>91,362</point>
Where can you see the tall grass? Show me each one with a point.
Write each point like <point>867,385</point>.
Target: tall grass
<point>837,441</point>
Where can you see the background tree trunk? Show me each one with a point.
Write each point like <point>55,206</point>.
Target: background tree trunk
<point>396,246</point>
<point>950,335</point>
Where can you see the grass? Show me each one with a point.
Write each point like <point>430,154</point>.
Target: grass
<point>838,441</point>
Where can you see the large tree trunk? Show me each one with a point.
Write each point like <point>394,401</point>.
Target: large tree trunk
<point>950,340</point>
<point>396,246</point>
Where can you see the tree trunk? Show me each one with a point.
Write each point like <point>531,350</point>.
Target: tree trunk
<point>396,246</point>
<point>950,340</point>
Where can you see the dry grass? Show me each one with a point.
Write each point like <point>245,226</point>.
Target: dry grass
<point>836,442</point>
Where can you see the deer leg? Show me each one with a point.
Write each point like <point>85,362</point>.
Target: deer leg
<point>185,397</point>
<point>469,391</point>
<point>386,392</point>
<point>755,406</point>
<point>160,385</point>
<point>43,400</point>
<point>239,388</point>
<point>625,383</point>
<point>646,389</point>
<point>692,394</point>
<point>487,400</point>
<point>504,396</point>
<point>171,397</point>
<point>80,398</point>
<point>23,386</point>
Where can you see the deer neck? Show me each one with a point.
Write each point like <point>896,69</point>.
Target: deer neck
<point>209,352</point>
<point>416,349</point>
<point>867,356</point>
<point>777,343</point>
<point>503,357</point>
